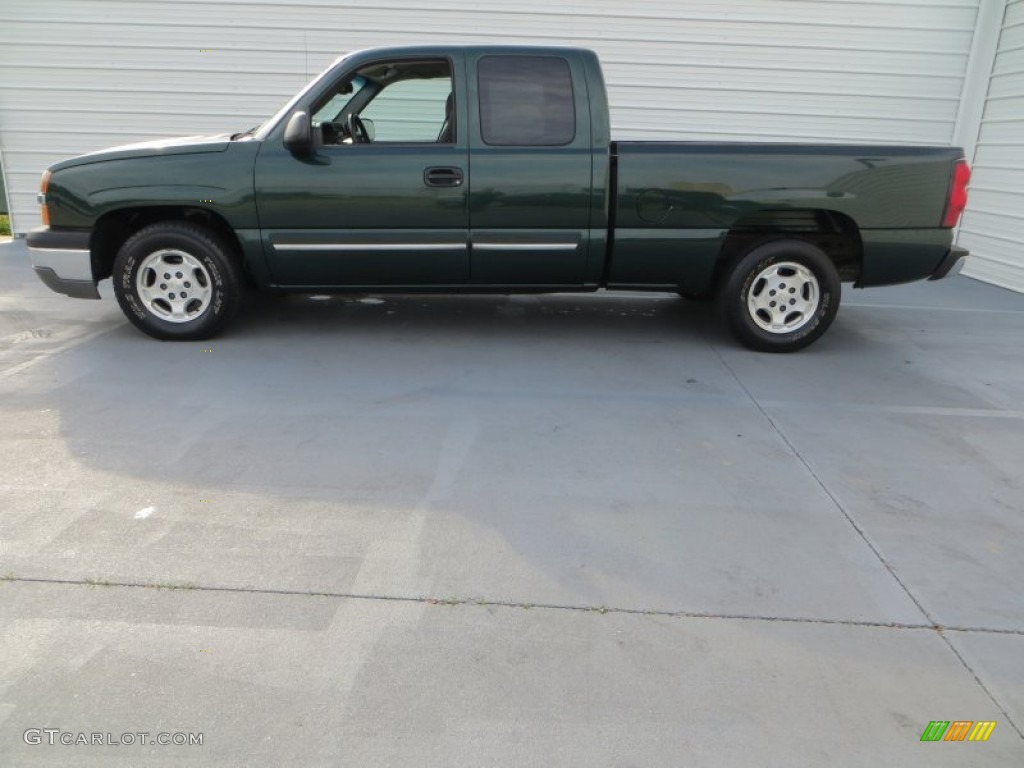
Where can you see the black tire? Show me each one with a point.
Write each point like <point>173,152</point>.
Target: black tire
<point>787,315</point>
<point>206,267</point>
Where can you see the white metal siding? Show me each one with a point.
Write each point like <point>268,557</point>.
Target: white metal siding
<point>80,75</point>
<point>993,227</point>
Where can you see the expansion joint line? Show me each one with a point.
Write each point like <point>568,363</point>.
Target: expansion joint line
<point>931,623</point>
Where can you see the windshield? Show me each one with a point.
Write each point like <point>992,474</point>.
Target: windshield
<point>261,132</point>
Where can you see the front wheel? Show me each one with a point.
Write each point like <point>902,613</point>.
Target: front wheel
<point>781,296</point>
<point>177,281</point>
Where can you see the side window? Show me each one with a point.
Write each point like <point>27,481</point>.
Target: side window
<point>411,110</point>
<point>390,101</point>
<point>526,101</point>
<point>337,100</point>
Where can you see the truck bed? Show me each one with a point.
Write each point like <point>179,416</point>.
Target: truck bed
<point>698,193</point>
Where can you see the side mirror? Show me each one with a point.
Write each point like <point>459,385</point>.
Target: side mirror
<point>298,135</point>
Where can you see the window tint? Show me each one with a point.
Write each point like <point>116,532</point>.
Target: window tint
<point>526,101</point>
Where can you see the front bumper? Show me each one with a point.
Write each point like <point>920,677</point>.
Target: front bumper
<point>63,261</point>
<point>951,264</point>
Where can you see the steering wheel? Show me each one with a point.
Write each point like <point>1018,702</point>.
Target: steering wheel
<point>357,130</point>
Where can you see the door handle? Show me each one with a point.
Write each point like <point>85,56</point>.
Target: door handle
<point>443,177</point>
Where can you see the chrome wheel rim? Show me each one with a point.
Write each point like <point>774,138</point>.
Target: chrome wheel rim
<point>783,297</point>
<point>174,285</point>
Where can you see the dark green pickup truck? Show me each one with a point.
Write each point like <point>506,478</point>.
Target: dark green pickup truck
<point>490,169</point>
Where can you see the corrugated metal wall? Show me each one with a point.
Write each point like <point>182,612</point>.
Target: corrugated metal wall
<point>993,227</point>
<point>79,75</point>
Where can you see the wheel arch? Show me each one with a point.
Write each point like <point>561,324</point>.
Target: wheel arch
<point>115,227</point>
<point>835,233</point>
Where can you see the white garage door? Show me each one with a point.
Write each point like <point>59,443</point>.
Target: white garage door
<point>79,75</point>
<point>993,227</point>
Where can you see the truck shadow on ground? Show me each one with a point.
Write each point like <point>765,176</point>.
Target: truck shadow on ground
<point>526,434</point>
<point>622,316</point>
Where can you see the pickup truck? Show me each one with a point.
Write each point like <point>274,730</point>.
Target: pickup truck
<point>490,169</point>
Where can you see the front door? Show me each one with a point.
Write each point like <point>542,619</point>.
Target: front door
<point>383,198</point>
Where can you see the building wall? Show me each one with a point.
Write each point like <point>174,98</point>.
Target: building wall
<point>993,227</point>
<point>79,75</point>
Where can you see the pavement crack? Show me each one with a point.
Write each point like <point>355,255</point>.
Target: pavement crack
<point>482,602</point>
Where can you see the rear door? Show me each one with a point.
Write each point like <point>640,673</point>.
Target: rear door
<point>390,211</point>
<point>530,194</point>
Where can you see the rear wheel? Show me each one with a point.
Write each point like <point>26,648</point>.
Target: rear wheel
<point>781,296</point>
<point>177,281</point>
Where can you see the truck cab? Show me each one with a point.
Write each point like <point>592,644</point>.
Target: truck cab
<point>373,186</point>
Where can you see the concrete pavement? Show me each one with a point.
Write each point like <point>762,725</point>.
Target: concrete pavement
<point>569,530</point>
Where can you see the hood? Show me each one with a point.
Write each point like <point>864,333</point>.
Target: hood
<point>185,145</point>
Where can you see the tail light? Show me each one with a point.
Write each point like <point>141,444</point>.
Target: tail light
<point>43,186</point>
<point>957,194</point>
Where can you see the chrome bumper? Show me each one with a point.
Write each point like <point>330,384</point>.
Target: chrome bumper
<point>62,260</point>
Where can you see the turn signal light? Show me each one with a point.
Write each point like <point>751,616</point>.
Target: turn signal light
<point>43,186</point>
<point>957,194</point>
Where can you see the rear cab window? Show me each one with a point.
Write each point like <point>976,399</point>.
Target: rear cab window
<point>526,101</point>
